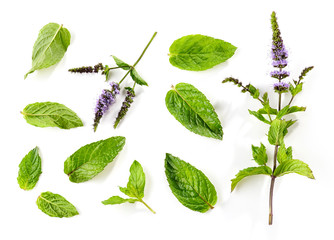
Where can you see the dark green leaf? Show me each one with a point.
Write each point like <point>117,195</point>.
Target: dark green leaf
<point>51,114</point>
<point>198,52</point>
<point>259,116</point>
<point>118,200</point>
<point>251,171</point>
<point>189,185</point>
<point>50,46</point>
<point>138,79</point>
<point>55,205</point>
<point>121,64</point>
<point>30,170</point>
<point>277,131</point>
<point>293,166</point>
<point>194,111</point>
<point>92,158</point>
<point>260,154</point>
<point>136,183</point>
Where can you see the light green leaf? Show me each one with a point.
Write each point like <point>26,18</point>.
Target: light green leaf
<point>198,52</point>
<point>284,154</point>
<point>277,131</point>
<point>189,185</point>
<point>267,110</point>
<point>121,64</point>
<point>293,166</point>
<point>118,200</point>
<point>136,183</point>
<point>30,170</point>
<point>55,205</point>
<point>296,109</point>
<point>283,112</point>
<point>50,46</point>
<point>51,114</point>
<point>260,154</point>
<point>194,111</point>
<point>138,79</point>
<point>295,90</point>
<point>92,158</point>
<point>259,116</point>
<point>251,171</point>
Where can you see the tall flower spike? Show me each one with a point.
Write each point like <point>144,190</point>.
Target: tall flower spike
<point>103,103</point>
<point>130,94</point>
<point>88,69</point>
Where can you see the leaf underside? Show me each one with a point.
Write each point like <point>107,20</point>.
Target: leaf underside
<point>189,185</point>
<point>92,158</point>
<point>194,111</point>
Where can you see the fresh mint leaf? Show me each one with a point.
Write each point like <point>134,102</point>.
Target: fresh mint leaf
<point>277,131</point>
<point>189,185</point>
<point>283,112</point>
<point>251,171</point>
<point>194,111</point>
<point>259,116</point>
<point>284,154</point>
<point>30,170</point>
<point>137,78</point>
<point>293,166</point>
<point>92,158</point>
<point>259,154</point>
<point>51,114</point>
<point>198,52</point>
<point>134,188</point>
<point>118,200</point>
<point>55,205</point>
<point>295,90</point>
<point>50,46</point>
<point>268,110</point>
<point>294,109</point>
<point>121,64</point>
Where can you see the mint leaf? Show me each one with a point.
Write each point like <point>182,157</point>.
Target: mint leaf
<point>198,52</point>
<point>51,114</point>
<point>118,200</point>
<point>121,64</point>
<point>260,154</point>
<point>189,185</point>
<point>293,166</point>
<point>138,79</point>
<point>135,188</point>
<point>296,109</point>
<point>92,158</point>
<point>277,131</point>
<point>284,154</point>
<point>251,171</point>
<point>55,205</point>
<point>50,46</point>
<point>283,112</point>
<point>259,116</point>
<point>194,111</point>
<point>30,170</point>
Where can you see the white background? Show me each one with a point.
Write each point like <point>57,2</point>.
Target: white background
<point>303,208</point>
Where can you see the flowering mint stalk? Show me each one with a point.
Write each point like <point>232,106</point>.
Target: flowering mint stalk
<point>130,94</point>
<point>277,119</point>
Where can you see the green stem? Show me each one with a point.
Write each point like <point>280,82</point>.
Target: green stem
<point>141,200</point>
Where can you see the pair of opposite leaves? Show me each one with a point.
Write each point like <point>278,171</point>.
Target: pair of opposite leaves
<point>189,185</point>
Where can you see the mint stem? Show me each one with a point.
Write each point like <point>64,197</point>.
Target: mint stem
<point>141,200</point>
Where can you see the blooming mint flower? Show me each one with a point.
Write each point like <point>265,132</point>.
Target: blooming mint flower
<point>279,53</point>
<point>279,74</point>
<point>281,87</point>
<point>106,99</point>
<point>280,63</point>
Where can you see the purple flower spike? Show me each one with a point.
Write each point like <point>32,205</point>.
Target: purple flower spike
<point>279,74</point>
<point>106,99</point>
<point>281,87</point>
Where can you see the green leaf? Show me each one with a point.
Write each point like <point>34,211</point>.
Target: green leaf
<point>293,166</point>
<point>51,114</point>
<point>198,52</point>
<point>30,170</point>
<point>189,185</point>
<point>50,46</point>
<point>284,154</point>
<point>277,131</point>
<point>260,154</point>
<point>251,171</point>
<point>294,109</point>
<point>118,200</point>
<point>194,111</point>
<point>269,110</point>
<point>55,205</point>
<point>138,79</point>
<point>283,112</point>
<point>121,64</point>
<point>295,90</point>
<point>92,158</point>
<point>259,116</point>
<point>136,183</point>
